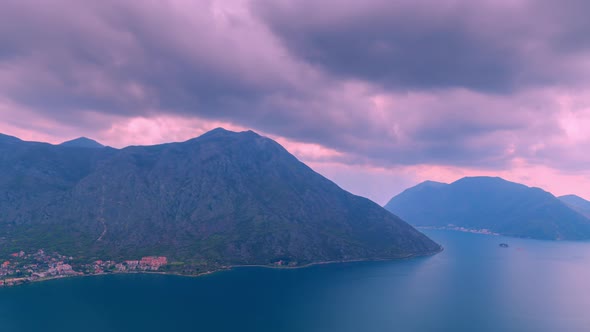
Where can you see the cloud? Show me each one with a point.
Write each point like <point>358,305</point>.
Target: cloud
<point>490,46</point>
<point>372,86</point>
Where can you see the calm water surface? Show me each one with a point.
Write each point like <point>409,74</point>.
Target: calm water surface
<point>474,285</point>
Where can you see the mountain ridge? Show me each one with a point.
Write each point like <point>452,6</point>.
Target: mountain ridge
<point>577,203</point>
<point>9,139</point>
<point>494,204</point>
<point>220,199</point>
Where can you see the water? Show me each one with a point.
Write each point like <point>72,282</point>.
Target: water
<point>474,285</point>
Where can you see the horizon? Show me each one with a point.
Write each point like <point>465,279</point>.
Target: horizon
<point>371,99</point>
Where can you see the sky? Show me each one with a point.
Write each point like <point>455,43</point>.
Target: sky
<point>377,95</point>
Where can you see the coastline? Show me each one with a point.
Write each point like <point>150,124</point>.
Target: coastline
<point>410,256</point>
<point>460,229</point>
<point>229,267</point>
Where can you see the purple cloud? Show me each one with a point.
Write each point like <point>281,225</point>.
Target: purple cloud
<point>490,46</point>
<point>383,83</point>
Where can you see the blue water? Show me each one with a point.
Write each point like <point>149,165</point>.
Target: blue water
<point>474,285</point>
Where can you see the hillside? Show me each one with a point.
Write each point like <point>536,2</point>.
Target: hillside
<point>224,198</point>
<point>577,203</point>
<point>490,203</point>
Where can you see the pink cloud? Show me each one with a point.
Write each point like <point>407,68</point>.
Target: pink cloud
<point>128,73</point>
<point>158,130</point>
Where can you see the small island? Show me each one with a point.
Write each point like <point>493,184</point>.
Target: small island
<point>503,245</point>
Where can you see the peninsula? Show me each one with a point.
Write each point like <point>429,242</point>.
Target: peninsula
<point>222,199</point>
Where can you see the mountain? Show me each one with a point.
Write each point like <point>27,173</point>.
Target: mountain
<point>490,203</point>
<point>577,203</point>
<point>83,142</point>
<point>221,199</point>
<point>8,139</point>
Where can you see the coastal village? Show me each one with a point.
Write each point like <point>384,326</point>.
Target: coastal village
<point>23,267</point>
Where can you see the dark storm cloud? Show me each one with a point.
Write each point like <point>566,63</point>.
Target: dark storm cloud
<point>186,58</point>
<point>490,46</point>
<point>127,58</point>
<point>382,82</point>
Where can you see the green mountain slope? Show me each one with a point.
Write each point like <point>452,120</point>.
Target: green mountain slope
<point>224,198</point>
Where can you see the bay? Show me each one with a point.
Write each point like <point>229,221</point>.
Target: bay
<point>473,285</point>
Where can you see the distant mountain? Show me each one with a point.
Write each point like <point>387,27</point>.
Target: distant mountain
<point>83,142</point>
<point>224,198</point>
<point>577,203</point>
<point>490,203</point>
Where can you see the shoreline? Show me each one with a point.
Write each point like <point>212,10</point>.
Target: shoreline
<point>230,267</point>
<point>460,229</point>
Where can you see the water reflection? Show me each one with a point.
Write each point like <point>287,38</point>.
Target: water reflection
<point>474,285</point>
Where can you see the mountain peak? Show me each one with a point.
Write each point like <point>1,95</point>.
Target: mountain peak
<point>426,185</point>
<point>490,182</point>
<point>218,131</point>
<point>430,183</point>
<point>486,179</point>
<point>222,132</point>
<point>82,142</point>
